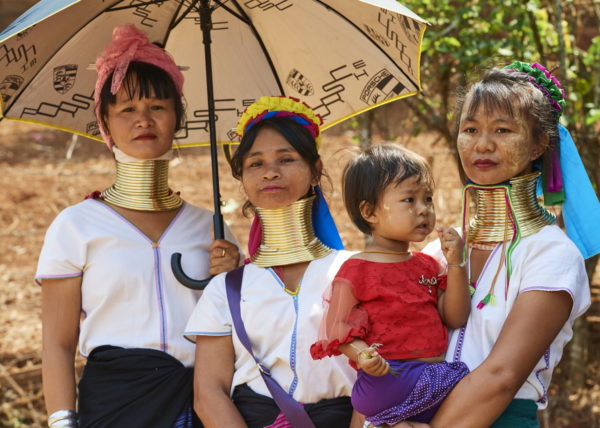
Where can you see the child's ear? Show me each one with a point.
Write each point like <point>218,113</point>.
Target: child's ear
<point>367,212</point>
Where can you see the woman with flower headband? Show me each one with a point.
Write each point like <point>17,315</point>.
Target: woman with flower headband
<point>253,360</point>
<point>108,259</point>
<point>528,277</point>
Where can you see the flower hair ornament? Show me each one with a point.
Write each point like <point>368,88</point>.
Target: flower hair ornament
<point>565,180</point>
<point>541,78</point>
<point>294,109</point>
<point>288,107</point>
<point>128,45</point>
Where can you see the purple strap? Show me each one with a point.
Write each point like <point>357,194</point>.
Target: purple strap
<point>292,410</point>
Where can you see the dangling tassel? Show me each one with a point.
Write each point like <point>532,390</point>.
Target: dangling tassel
<point>472,289</point>
<point>489,299</point>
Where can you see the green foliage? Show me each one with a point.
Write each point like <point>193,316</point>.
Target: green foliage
<point>468,36</point>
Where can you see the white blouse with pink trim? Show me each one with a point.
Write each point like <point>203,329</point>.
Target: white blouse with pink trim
<point>545,261</point>
<point>130,297</point>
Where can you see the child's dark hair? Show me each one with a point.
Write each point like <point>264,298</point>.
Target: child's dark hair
<point>368,174</point>
<point>513,93</point>
<point>144,80</point>
<point>295,134</point>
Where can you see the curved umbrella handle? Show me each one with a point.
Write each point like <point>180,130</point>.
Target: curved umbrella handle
<point>219,230</point>
<point>194,284</point>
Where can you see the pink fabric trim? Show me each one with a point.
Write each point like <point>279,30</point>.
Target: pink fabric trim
<point>254,237</point>
<point>129,44</point>
<point>323,348</point>
<point>281,421</point>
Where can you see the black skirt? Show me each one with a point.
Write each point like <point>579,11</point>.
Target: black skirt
<point>259,410</point>
<point>130,388</point>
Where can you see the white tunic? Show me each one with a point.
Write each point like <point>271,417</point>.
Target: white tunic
<point>129,295</point>
<point>544,261</point>
<point>281,328</point>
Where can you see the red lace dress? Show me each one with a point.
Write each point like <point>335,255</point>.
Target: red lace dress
<point>394,304</point>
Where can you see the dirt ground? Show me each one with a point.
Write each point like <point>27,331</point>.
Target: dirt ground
<point>41,173</point>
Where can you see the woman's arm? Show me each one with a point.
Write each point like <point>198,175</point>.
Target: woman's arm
<point>61,310</point>
<point>531,326</point>
<point>215,358</point>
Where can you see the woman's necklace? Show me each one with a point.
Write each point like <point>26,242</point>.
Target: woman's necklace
<point>397,253</point>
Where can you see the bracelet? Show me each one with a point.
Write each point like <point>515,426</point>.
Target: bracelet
<point>65,423</point>
<point>358,350</point>
<point>63,419</point>
<point>463,264</point>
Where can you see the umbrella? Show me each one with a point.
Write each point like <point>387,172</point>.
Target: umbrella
<point>342,57</point>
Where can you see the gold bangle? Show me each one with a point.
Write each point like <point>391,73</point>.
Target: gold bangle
<point>359,351</point>
<point>463,264</point>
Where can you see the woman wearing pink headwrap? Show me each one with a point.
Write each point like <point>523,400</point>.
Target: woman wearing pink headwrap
<point>107,258</point>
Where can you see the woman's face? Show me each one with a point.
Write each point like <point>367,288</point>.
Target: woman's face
<point>274,175</point>
<point>143,128</point>
<point>495,147</point>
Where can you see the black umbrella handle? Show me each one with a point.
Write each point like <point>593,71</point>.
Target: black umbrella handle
<point>219,230</point>
<point>177,269</point>
<point>194,284</point>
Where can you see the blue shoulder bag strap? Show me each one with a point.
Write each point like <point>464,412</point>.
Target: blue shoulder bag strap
<point>292,410</point>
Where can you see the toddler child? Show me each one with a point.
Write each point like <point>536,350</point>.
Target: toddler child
<point>388,307</point>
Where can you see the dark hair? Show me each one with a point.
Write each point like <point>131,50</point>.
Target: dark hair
<point>513,93</point>
<point>368,174</point>
<point>297,135</point>
<point>144,80</point>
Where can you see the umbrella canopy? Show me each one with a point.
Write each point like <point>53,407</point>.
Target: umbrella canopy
<point>341,57</point>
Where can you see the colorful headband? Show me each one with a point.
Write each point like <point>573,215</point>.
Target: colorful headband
<point>292,108</point>
<point>129,44</point>
<point>541,78</point>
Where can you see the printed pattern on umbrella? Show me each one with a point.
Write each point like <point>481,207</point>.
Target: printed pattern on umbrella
<point>341,57</point>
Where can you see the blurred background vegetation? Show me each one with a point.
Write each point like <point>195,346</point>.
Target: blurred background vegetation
<point>465,38</point>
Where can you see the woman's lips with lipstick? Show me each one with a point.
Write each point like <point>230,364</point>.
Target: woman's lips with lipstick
<point>484,163</point>
<point>146,137</point>
<point>271,188</point>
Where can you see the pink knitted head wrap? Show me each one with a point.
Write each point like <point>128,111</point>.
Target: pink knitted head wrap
<point>129,44</point>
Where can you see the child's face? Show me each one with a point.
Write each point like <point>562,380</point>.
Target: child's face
<point>495,147</point>
<point>405,212</point>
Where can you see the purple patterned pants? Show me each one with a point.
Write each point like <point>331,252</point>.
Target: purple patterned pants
<point>413,393</point>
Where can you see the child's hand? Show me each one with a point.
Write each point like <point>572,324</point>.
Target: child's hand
<point>372,363</point>
<point>452,245</point>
